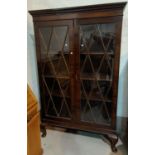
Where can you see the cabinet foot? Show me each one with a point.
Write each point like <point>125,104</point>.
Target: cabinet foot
<point>112,139</point>
<point>43,130</point>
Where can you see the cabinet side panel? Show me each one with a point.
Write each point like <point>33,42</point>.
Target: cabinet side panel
<point>116,70</point>
<point>37,43</point>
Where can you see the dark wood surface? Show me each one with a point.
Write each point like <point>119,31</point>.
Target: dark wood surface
<point>105,10</point>
<point>101,7</point>
<point>73,18</point>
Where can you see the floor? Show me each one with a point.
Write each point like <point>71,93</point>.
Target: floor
<point>82,143</point>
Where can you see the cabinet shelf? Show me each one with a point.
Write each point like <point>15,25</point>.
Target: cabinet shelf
<point>57,76</point>
<point>94,97</point>
<point>93,76</point>
<point>96,53</point>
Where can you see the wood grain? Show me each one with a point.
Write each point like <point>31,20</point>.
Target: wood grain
<point>33,125</point>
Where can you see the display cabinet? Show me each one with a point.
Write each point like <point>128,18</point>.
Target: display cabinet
<point>78,52</point>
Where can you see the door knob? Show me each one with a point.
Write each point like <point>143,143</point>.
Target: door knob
<point>71,53</point>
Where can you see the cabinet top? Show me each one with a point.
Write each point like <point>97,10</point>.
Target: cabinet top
<point>98,7</point>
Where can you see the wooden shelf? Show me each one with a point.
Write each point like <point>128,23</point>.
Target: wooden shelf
<point>96,53</point>
<point>53,57</point>
<point>94,97</point>
<point>92,76</point>
<point>51,52</point>
<point>57,76</point>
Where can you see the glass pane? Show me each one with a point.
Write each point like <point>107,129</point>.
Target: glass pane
<point>97,38</point>
<point>95,111</point>
<point>54,42</point>
<point>97,66</point>
<point>54,50</point>
<point>97,44</point>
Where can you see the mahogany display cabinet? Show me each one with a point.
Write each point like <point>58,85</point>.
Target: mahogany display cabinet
<point>78,53</point>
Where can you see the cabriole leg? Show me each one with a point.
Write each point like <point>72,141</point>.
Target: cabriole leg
<point>112,139</point>
<point>43,130</point>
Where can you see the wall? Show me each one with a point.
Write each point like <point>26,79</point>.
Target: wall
<point>31,57</point>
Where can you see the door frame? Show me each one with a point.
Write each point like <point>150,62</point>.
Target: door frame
<point>117,20</point>
<point>37,26</point>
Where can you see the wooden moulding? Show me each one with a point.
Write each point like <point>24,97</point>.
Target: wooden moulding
<point>98,7</point>
<point>90,11</point>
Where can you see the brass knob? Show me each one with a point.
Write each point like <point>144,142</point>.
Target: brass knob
<point>71,53</point>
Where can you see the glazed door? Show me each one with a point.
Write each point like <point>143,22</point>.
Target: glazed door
<point>55,59</point>
<point>96,58</point>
